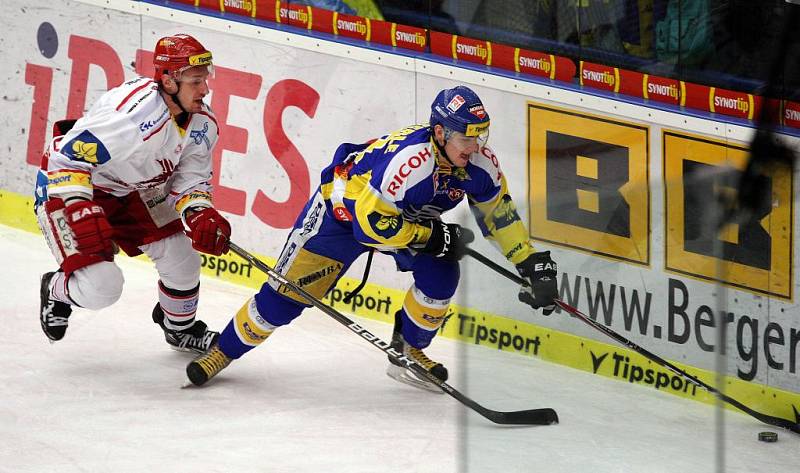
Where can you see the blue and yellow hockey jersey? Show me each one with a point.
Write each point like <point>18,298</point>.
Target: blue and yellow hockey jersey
<point>389,188</point>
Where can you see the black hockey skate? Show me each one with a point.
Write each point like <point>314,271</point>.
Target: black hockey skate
<point>53,315</point>
<point>206,366</point>
<point>197,338</point>
<point>400,373</point>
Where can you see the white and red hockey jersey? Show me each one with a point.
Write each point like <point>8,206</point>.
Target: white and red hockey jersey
<point>128,141</point>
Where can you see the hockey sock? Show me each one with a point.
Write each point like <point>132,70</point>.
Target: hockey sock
<point>245,331</point>
<point>179,307</point>
<point>59,290</point>
<point>423,317</point>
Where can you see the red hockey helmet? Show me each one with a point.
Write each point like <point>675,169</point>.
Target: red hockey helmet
<point>174,54</point>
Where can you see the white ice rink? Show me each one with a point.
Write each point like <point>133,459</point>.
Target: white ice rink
<point>315,398</point>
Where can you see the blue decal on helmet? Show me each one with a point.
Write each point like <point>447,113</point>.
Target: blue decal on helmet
<point>460,109</point>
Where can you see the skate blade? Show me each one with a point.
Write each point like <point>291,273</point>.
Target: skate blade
<point>185,350</point>
<point>187,385</point>
<point>404,376</point>
<point>191,351</point>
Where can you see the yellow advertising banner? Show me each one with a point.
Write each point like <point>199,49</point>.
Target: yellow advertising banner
<point>588,181</point>
<point>756,254</point>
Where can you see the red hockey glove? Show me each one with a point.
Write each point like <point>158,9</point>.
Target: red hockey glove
<point>209,231</point>
<point>88,223</point>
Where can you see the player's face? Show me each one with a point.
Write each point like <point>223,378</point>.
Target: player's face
<point>458,146</point>
<point>194,87</point>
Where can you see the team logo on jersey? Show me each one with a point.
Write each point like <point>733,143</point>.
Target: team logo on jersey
<point>341,213</point>
<point>146,125</point>
<point>386,226</point>
<point>455,194</point>
<point>505,213</point>
<point>456,103</point>
<point>87,148</point>
<point>199,136</point>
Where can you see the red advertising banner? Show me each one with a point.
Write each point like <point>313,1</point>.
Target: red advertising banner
<point>409,37</point>
<point>268,10</point>
<point>441,44</point>
<point>503,56</point>
<point>215,5</point>
<point>696,96</point>
<point>460,48</point>
<point>736,104</point>
<point>296,15</point>
<point>323,20</point>
<point>790,114</point>
<point>351,26</point>
<point>598,76</point>
<point>399,36</point>
<point>239,7</point>
<point>662,89</point>
<point>471,50</point>
<point>543,65</point>
<point>630,82</point>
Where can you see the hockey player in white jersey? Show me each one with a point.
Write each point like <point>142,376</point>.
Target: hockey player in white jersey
<point>133,173</point>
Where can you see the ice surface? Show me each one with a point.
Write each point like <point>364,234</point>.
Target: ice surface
<point>315,398</point>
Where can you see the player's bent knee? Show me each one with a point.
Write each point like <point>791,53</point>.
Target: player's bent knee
<point>96,286</point>
<point>184,274</point>
<point>275,308</point>
<point>178,264</point>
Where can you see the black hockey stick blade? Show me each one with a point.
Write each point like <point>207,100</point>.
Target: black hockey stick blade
<point>544,416</point>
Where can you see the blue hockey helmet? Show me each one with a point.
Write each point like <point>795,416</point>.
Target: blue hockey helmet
<point>459,109</point>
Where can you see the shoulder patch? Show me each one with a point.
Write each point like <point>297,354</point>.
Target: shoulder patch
<point>199,135</point>
<point>386,226</point>
<point>87,148</point>
<point>505,213</point>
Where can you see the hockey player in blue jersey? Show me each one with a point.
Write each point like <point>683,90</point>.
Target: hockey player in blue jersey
<point>388,195</point>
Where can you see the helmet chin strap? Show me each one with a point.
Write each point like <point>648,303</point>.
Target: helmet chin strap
<point>175,99</point>
<point>442,151</point>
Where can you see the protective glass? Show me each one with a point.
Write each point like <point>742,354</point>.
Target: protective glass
<point>465,141</point>
<point>193,79</point>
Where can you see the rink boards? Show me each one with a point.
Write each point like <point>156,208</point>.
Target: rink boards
<point>618,191</point>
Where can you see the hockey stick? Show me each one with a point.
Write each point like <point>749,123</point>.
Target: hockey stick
<point>544,416</point>
<point>767,419</point>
